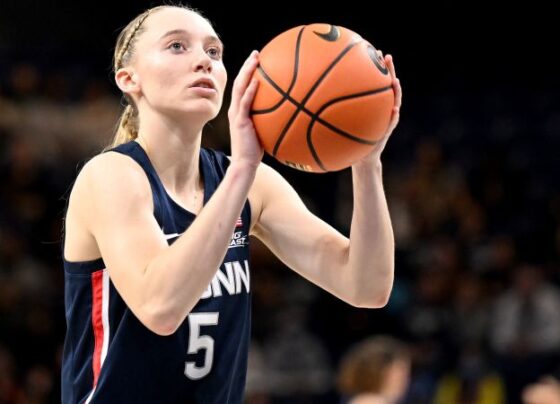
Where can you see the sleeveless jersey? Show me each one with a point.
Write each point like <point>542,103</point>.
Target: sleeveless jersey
<point>111,357</point>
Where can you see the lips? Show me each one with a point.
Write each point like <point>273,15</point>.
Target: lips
<point>204,83</point>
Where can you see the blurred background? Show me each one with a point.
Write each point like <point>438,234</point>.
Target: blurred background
<point>471,176</point>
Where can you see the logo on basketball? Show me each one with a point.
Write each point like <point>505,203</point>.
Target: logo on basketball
<point>298,166</point>
<point>377,59</point>
<point>331,36</point>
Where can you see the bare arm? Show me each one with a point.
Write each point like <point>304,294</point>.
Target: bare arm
<point>162,283</point>
<point>358,269</point>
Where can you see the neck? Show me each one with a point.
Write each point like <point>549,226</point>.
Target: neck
<point>173,150</point>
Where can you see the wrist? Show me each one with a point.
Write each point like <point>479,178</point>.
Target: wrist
<point>243,169</point>
<point>370,163</point>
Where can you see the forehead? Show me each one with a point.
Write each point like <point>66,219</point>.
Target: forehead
<point>174,18</point>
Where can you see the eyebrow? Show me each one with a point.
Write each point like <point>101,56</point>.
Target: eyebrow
<point>210,38</point>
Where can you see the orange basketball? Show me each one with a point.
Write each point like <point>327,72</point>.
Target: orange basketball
<point>324,98</point>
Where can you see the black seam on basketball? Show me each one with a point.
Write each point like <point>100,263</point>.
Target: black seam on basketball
<point>308,95</point>
<point>316,115</point>
<point>316,118</point>
<point>285,95</point>
<point>312,147</point>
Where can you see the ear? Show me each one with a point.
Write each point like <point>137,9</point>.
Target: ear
<point>127,80</point>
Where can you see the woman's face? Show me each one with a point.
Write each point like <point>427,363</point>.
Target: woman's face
<point>178,65</point>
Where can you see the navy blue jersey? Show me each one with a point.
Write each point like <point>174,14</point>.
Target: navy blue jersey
<point>111,357</point>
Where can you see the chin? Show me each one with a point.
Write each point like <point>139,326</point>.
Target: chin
<point>192,113</point>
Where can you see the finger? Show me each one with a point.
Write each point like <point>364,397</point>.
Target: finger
<point>394,119</point>
<point>247,99</point>
<point>391,65</point>
<point>393,122</point>
<point>244,76</point>
<point>240,82</point>
<point>398,92</point>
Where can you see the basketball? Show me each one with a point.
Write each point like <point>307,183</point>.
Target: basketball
<point>324,98</point>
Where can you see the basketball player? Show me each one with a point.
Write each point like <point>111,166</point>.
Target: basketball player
<point>156,258</point>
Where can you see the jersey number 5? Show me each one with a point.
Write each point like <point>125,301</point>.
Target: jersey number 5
<point>198,342</point>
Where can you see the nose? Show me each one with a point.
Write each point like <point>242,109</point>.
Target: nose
<point>203,61</point>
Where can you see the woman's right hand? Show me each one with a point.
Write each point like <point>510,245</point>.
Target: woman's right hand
<point>245,145</point>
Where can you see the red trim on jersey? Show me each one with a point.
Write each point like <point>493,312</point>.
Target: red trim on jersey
<point>239,222</point>
<point>97,321</point>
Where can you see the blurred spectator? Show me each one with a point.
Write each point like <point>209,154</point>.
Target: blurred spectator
<point>428,316</point>
<point>469,316</point>
<point>526,320</point>
<point>257,388</point>
<point>297,361</point>
<point>546,391</point>
<point>9,389</point>
<point>525,329</point>
<point>38,386</point>
<point>375,371</point>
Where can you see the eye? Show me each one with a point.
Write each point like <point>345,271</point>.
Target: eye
<point>215,52</point>
<point>176,46</point>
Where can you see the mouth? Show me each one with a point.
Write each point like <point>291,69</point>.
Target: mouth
<point>203,83</point>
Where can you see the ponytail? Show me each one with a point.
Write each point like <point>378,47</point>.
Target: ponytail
<point>127,127</point>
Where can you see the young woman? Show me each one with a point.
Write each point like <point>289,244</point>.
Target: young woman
<point>156,235</point>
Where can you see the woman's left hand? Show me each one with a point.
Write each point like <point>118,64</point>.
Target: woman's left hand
<point>379,147</point>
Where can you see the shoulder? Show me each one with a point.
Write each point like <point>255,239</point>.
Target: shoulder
<point>113,176</point>
<point>113,168</point>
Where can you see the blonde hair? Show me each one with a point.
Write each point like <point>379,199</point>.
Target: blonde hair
<point>363,368</point>
<point>128,123</point>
